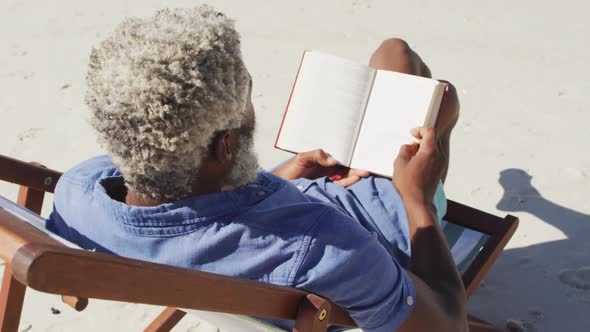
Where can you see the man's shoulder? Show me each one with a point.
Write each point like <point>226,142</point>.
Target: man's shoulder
<point>288,210</point>
<point>88,172</point>
<point>334,226</point>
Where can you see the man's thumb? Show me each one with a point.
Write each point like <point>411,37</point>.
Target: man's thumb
<point>325,159</point>
<point>407,151</point>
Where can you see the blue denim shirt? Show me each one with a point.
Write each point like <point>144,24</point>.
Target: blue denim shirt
<point>348,245</point>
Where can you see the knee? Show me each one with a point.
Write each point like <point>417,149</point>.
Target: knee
<point>393,54</point>
<point>395,46</point>
<point>449,110</point>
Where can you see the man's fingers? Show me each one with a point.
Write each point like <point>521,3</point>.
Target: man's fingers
<point>359,172</point>
<point>407,151</point>
<point>427,133</point>
<point>324,159</point>
<point>429,143</point>
<point>348,181</point>
<point>415,132</point>
<point>348,176</point>
<point>426,137</point>
<point>316,157</point>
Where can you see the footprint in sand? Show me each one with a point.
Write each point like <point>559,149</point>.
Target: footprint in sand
<point>28,134</point>
<point>362,3</point>
<point>517,325</point>
<point>200,328</point>
<point>579,278</point>
<point>194,328</point>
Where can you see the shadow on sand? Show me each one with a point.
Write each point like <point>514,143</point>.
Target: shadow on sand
<point>536,281</point>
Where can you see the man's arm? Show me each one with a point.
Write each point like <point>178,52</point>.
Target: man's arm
<point>440,296</point>
<point>440,303</point>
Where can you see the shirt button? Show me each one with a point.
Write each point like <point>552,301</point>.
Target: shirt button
<point>260,193</point>
<point>410,300</point>
<point>300,187</point>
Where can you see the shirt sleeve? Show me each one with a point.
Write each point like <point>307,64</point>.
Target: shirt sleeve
<point>376,205</point>
<point>347,264</point>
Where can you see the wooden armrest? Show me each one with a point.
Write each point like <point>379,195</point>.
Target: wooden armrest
<point>499,229</point>
<point>32,175</point>
<point>14,234</point>
<point>478,220</point>
<point>60,270</point>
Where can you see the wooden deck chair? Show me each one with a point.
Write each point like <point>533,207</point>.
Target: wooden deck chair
<point>43,261</point>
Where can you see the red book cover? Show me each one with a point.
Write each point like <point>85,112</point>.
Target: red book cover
<point>287,108</point>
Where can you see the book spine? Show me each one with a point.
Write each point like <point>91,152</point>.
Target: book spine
<point>288,103</point>
<point>360,125</point>
<point>437,100</point>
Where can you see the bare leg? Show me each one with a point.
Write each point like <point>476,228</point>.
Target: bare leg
<point>396,55</point>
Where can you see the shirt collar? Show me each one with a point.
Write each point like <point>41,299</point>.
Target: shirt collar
<point>221,205</point>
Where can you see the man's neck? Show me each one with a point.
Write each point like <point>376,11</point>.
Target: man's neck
<point>134,199</point>
<point>203,188</point>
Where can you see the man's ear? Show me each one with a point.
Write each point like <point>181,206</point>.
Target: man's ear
<point>224,147</point>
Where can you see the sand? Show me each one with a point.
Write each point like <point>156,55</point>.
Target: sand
<point>521,145</point>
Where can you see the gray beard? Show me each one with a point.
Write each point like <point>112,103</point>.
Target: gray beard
<point>246,166</point>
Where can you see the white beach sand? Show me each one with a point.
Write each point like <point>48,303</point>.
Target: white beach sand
<point>521,70</point>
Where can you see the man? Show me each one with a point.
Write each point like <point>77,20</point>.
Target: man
<point>170,100</point>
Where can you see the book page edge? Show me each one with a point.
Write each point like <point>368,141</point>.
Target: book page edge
<point>289,102</point>
<point>435,103</point>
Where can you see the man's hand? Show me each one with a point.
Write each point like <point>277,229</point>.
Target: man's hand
<point>418,167</point>
<point>317,163</point>
<point>440,294</point>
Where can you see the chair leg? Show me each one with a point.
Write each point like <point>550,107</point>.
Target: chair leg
<point>76,303</point>
<point>12,296</point>
<point>166,320</point>
<point>32,199</point>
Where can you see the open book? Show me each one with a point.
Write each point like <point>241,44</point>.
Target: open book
<point>359,115</point>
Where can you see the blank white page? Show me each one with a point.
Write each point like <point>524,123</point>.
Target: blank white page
<point>398,103</point>
<point>326,106</point>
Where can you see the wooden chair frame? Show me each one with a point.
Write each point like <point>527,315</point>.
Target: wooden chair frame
<point>37,261</point>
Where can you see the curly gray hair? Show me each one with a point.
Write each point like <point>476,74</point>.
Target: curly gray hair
<point>159,89</point>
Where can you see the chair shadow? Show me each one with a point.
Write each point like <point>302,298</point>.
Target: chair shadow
<point>541,285</point>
